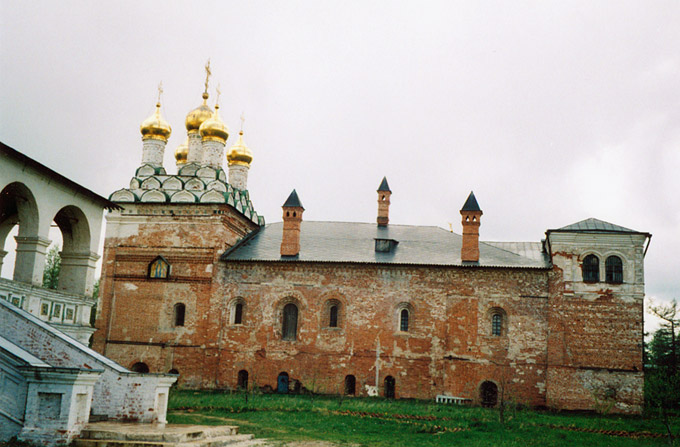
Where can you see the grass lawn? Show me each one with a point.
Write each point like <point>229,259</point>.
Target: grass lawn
<point>380,422</point>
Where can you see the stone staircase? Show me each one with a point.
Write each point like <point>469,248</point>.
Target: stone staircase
<point>117,434</point>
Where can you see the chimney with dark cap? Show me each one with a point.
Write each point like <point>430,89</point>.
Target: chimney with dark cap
<point>292,218</point>
<point>384,194</point>
<point>471,219</point>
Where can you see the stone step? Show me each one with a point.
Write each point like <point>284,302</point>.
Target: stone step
<point>251,443</point>
<point>217,441</point>
<point>146,433</point>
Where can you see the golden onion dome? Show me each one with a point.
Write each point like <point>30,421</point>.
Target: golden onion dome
<point>155,127</point>
<point>213,129</point>
<point>182,152</point>
<point>239,153</point>
<point>197,116</point>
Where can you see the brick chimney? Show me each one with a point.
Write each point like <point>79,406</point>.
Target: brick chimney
<point>292,218</point>
<point>471,220</point>
<point>384,194</point>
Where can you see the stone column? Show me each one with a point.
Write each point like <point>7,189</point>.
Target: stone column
<point>3,253</point>
<point>77,272</point>
<point>30,260</point>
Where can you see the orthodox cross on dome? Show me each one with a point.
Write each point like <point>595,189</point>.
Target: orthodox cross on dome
<point>160,92</point>
<point>207,75</point>
<point>219,93</point>
<point>243,119</point>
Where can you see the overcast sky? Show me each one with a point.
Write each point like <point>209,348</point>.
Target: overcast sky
<point>552,112</point>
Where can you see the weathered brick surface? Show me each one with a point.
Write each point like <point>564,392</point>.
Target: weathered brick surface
<point>561,346</point>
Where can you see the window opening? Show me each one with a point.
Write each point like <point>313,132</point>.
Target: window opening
<point>591,268</point>
<point>140,367</point>
<point>180,311</point>
<point>238,313</point>
<point>333,316</point>
<point>390,385</point>
<point>290,315</point>
<point>496,324</point>
<point>488,394</point>
<point>243,379</point>
<point>614,270</point>
<point>403,320</point>
<point>350,385</point>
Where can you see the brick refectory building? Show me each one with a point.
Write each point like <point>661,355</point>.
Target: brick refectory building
<point>195,283</point>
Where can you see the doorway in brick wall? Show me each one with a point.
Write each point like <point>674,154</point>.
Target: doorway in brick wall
<point>282,383</point>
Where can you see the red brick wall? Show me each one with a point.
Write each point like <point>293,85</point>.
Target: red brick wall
<point>556,349</point>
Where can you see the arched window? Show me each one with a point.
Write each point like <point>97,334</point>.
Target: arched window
<point>332,314</point>
<point>290,317</point>
<point>614,270</point>
<point>488,394</point>
<point>238,313</point>
<point>350,385</point>
<point>159,268</point>
<point>591,268</point>
<point>496,324</point>
<point>403,320</point>
<point>333,318</point>
<point>179,312</point>
<point>390,387</point>
<point>242,379</point>
<point>173,371</point>
<point>140,367</point>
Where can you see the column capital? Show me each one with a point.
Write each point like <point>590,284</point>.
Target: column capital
<point>35,241</point>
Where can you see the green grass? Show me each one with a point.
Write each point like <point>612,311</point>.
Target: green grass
<point>380,422</point>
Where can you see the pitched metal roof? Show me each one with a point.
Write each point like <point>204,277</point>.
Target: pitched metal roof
<point>593,225</point>
<point>41,168</point>
<point>471,203</point>
<point>350,242</point>
<point>384,186</point>
<point>293,200</point>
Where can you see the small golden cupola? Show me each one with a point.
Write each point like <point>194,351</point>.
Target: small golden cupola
<point>239,153</point>
<point>182,152</point>
<point>155,127</point>
<point>214,129</point>
<point>199,115</point>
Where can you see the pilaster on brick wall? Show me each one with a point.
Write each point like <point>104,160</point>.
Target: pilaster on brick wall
<point>292,218</point>
<point>471,217</point>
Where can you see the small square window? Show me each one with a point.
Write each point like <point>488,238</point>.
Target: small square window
<point>44,309</point>
<point>56,311</point>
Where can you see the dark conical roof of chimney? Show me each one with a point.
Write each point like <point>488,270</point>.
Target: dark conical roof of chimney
<point>384,186</point>
<point>471,203</point>
<point>293,201</point>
